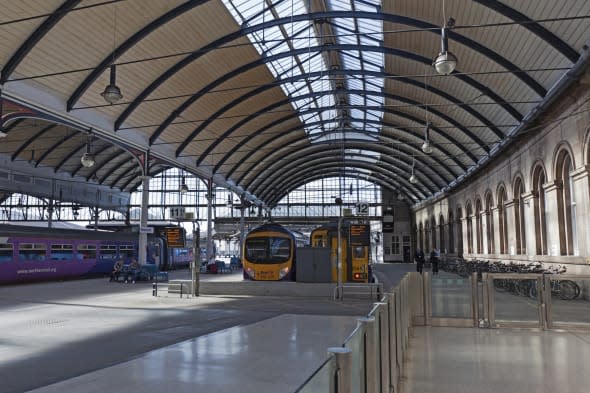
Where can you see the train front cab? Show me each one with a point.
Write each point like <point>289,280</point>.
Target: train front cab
<point>269,256</point>
<point>355,266</point>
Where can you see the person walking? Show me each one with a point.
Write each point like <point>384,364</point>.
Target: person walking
<point>434,261</point>
<point>419,257</point>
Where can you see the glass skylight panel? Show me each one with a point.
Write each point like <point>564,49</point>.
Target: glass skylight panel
<point>300,35</point>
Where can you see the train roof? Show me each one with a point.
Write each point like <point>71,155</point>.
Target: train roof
<point>7,230</point>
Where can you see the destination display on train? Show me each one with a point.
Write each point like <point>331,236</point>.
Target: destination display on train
<point>359,235</point>
<point>175,237</point>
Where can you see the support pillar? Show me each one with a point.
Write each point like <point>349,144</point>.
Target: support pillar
<point>552,217</point>
<point>50,214</point>
<point>530,229</point>
<point>145,194</point>
<point>464,237</point>
<point>495,217</point>
<point>210,197</point>
<point>510,227</point>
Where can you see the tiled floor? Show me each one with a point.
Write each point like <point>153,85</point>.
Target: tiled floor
<point>455,360</point>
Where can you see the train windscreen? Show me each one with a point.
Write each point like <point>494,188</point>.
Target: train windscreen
<point>268,250</point>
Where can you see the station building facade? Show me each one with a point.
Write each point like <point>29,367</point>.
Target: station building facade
<point>531,203</point>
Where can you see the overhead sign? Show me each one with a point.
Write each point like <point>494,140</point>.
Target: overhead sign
<point>362,208</point>
<point>177,213</point>
<point>146,229</point>
<point>175,237</point>
<point>387,223</point>
<point>359,235</point>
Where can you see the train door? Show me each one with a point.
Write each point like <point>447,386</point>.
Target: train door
<point>334,257</point>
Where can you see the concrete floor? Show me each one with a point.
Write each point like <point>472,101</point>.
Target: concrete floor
<point>55,331</point>
<point>455,360</point>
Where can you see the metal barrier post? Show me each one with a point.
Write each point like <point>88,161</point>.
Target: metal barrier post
<point>370,370</point>
<point>385,346</point>
<point>154,289</point>
<point>343,369</point>
<point>181,290</point>
<point>547,297</point>
<point>474,300</point>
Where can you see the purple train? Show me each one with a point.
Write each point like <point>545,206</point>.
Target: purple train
<point>43,254</point>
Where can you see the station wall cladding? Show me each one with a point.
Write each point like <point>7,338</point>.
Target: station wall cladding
<point>530,203</point>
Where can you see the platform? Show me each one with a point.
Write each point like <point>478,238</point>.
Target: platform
<point>275,355</point>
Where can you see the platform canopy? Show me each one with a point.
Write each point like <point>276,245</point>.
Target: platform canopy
<point>263,96</point>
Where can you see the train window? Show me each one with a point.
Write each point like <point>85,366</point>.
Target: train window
<point>280,249</point>
<point>108,251</point>
<point>5,252</point>
<point>32,251</point>
<point>86,251</point>
<point>359,252</point>
<point>126,250</point>
<point>255,249</point>
<point>395,245</point>
<point>62,252</point>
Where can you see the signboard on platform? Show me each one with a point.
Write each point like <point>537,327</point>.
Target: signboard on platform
<point>177,212</point>
<point>359,235</point>
<point>175,237</point>
<point>146,230</point>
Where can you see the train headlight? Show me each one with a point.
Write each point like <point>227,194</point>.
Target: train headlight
<point>283,272</point>
<point>251,272</point>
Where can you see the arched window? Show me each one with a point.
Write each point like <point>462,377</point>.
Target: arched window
<point>441,233</point>
<point>468,217</point>
<point>519,228</point>
<point>503,220</point>
<point>433,233</point>
<point>490,224</point>
<point>459,223</point>
<point>451,233</point>
<point>566,206</point>
<point>478,227</point>
<point>539,179</point>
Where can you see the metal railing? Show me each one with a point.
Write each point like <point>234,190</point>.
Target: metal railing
<point>371,357</point>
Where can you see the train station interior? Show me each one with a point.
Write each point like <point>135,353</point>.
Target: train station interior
<point>294,196</point>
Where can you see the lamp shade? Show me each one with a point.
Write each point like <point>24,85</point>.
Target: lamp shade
<point>413,179</point>
<point>112,93</point>
<point>183,188</point>
<point>445,63</point>
<point>87,160</point>
<point>426,148</point>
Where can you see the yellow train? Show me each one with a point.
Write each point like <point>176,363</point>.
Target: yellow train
<point>355,250</point>
<point>270,253</point>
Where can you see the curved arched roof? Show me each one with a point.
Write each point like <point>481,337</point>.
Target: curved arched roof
<point>261,96</point>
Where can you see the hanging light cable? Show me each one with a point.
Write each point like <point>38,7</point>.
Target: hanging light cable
<point>426,148</point>
<point>183,187</point>
<point>413,179</point>
<point>112,93</point>
<point>446,61</point>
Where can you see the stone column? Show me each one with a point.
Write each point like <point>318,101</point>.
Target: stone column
<point>552,217</point>
<point>495,216</point>
<point>465,240</point>
<point>484,232</point>
<point>509,207</point>
<point>581,183</point>
<point>529,223</point>
<point>143,220</point>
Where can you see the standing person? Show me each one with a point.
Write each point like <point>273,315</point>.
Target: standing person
<point>434,261</point>
<point>419,257</point>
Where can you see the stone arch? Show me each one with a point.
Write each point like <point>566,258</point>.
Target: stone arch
<point>538,179</point>
<point>488,208</point>
<point>566,203</point>
<point>518,189</point>
<point>478,226</point>
<point>469,223</point>
<point>501,199</point>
